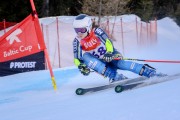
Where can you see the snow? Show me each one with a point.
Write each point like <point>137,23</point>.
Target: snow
<point>30,96</point>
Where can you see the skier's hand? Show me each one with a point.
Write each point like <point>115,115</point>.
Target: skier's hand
<point>84,69</point>
<point>108,57</point>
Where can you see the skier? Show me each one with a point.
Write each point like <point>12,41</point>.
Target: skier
<point>94,50</point>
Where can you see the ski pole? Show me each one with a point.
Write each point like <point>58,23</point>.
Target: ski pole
<point>164,61</point>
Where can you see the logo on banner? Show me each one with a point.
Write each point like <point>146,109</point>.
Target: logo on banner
<point>14,36</point>
<point>22,64</point>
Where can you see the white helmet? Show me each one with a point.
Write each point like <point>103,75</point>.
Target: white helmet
<point>83,21</point>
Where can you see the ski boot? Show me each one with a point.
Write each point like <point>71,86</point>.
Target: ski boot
<point>149,72</point>
<point>113,75</point>
<point>118,77</point>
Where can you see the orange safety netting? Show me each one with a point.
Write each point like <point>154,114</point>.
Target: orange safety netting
<point>59,33</point>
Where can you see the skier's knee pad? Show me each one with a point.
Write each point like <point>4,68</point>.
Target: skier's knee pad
<point>94,63</point>
<point>147,71</point>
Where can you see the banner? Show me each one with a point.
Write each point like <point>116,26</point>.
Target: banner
<point>29,63</point>
<point>18,48</point>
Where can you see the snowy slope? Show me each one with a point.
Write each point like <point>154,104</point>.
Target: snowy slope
<point>30,96</point>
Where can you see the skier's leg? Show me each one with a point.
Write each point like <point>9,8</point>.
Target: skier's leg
<point>141,69</point>
<point>94,63</point>
<point>100,66</point>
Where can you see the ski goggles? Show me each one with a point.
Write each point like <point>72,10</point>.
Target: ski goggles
<point>81,30</point>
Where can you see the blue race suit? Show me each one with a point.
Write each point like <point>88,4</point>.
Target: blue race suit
<point>91,49</point>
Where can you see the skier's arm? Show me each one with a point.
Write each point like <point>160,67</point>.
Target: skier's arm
<point>77,58</point>
<point>109,46</point>
<point>111,52</point>
<point>77,62</point>
<point>77,52</point>
<point>105,39</point>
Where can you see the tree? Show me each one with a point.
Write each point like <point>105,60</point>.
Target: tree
<point>16,10</point>
<point>142,8</point>
<point>64,7</point>
<point>104,7</point>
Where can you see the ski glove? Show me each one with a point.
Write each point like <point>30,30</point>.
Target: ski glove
<point>118,56</point>
<point>108,57</point>
<point>84,69</point>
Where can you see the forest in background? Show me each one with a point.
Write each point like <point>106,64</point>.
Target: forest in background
<point>17,10</point>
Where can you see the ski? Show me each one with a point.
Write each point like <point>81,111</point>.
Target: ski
<point>121,88</point>
<point>82,91</point>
